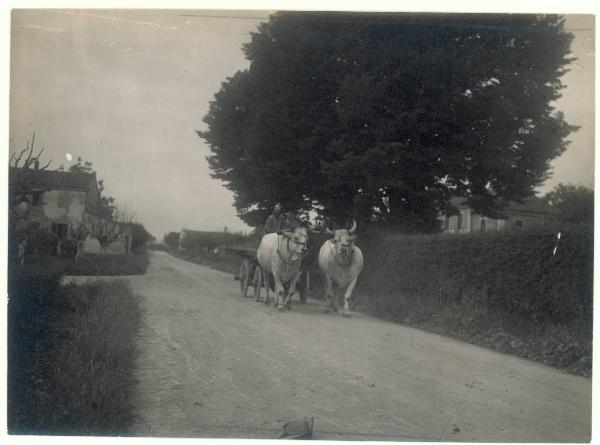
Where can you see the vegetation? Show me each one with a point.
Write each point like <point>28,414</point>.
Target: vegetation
<point>171,239</point>
<point>70,355</point>
<point>507,291</point>
<point>109,230</point>
<point>90,264</point>
<point>384,117</point>
<point>140,237</point>
<point>105,204</point>
<point>575,204</point>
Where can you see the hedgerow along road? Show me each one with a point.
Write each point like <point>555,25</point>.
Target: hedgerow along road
<point>212,364</point>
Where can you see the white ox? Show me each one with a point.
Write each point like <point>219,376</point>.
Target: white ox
<point>341,262</point>
<point>281,255</point>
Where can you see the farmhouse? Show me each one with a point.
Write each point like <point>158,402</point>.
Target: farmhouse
<point>531,212</point>
<point>57,201</point>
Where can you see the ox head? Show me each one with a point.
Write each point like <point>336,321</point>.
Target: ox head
<point>343,240</point>
<point>298,241</point>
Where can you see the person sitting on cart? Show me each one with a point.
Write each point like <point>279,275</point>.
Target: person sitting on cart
<point>274,221</point>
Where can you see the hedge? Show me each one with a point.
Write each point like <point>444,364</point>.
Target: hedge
<point>467,284</point>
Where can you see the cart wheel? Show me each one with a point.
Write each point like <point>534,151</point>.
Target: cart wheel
<point>257,282</point>
<point>305,286</point>
<point>244,277</point>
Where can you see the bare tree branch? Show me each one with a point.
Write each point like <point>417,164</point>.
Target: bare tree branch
<point>107,231</point>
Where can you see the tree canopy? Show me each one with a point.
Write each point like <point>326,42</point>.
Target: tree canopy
<point>384,117</point>
<point>575,204</point>
<point>106,204</point>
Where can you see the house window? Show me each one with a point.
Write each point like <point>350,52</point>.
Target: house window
<point>459,222</point>
<point>37,198</point>
<point>61,230</point>
<point>35,225</point>
<point>519,223</point>
<point>482,224</point>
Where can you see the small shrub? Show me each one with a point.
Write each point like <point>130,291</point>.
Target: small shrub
<point>44,242</point>
<point>68,248</point>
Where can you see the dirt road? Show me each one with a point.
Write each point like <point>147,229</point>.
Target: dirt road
<point>215,365</point>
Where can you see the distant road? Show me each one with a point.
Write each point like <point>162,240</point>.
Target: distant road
<point>215,365</point>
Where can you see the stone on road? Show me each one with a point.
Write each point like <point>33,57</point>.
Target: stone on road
<point>212,364</point>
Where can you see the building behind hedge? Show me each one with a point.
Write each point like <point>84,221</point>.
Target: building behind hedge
<point>531,212</point>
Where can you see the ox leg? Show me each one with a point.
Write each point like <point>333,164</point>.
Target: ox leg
<point>279,292</point>
<point>329,292</point>
<point>347,296</point>
<point>267,277</point>
<point>292,291</point>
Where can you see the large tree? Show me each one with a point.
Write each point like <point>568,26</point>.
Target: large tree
<point>386,116</point>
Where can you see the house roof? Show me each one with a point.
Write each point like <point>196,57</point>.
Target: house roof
<point>54,179</point>
<point>527,205</point>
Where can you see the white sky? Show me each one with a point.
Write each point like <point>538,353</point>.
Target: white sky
<point>126,90</point>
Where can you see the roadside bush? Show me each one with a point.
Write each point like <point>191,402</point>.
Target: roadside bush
<point>68,247</point>
<point>139,237</point>
<point>44,242</point>
<point>480,286</point>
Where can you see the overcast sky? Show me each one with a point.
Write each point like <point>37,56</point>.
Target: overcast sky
<point>126,90</point>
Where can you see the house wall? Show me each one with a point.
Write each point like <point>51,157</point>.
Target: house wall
<point>471,222</point>
<point>68,207</point>
<point>59,207</point>
<point>458,223</point>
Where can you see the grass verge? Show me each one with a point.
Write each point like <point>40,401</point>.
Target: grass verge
<point>71,354</point>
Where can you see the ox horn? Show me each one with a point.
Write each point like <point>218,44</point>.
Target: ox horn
<point>328,231</point>
<point>353,228</point>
